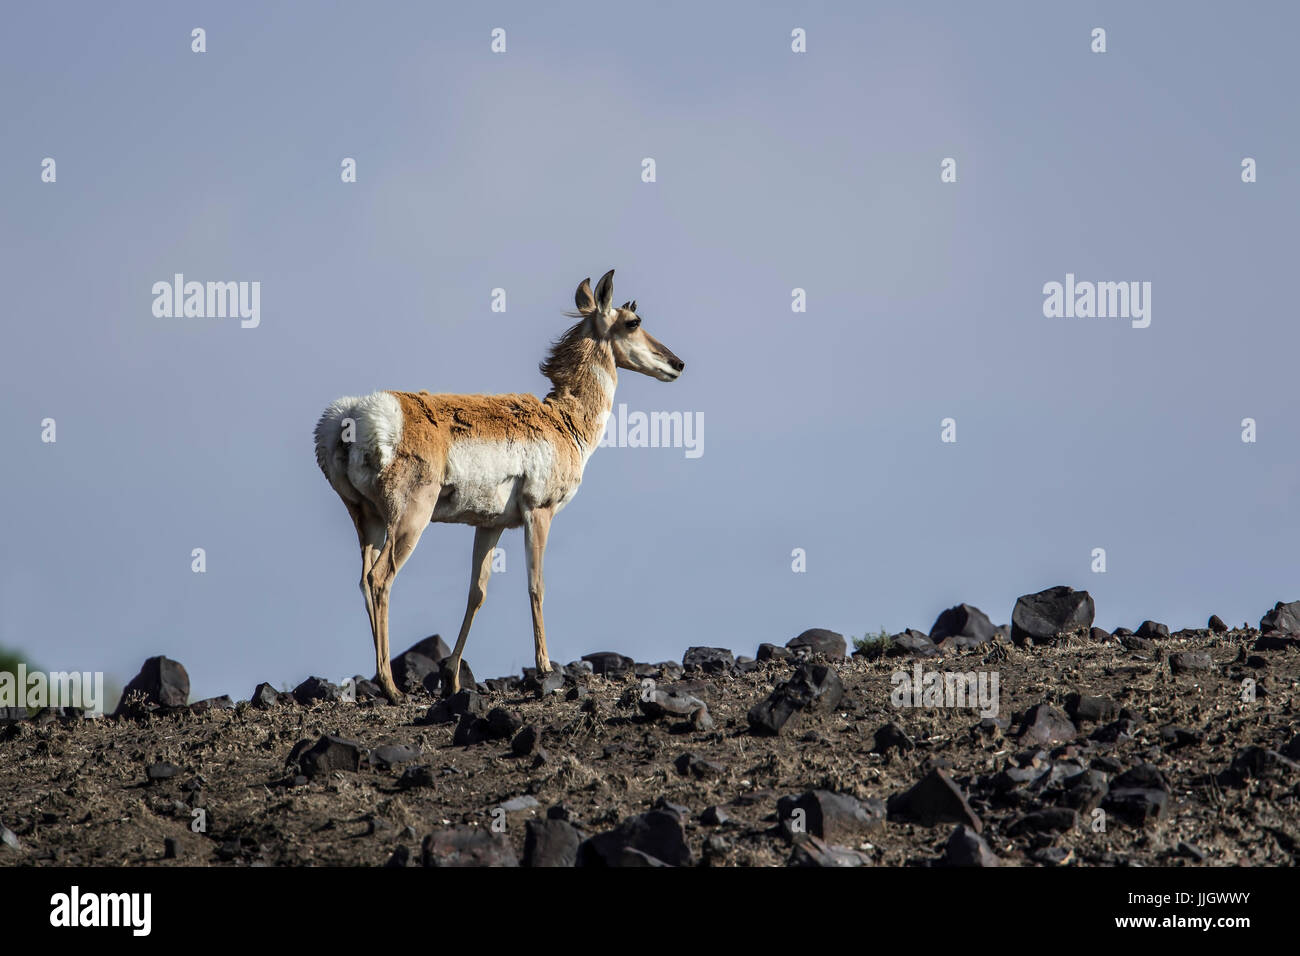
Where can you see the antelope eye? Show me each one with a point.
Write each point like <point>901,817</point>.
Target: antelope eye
<point>632,323</point>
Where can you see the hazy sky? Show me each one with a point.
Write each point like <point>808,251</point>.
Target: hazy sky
<point>523,171</point>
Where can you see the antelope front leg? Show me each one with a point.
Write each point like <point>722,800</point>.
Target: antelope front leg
<point>485,539</point>
<point>537,525</point>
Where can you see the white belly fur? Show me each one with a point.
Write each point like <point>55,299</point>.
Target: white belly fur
<point>489,483</point>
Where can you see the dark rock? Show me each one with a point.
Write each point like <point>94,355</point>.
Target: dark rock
<point>13,715</point>
<point>551,842</point>
<point>212,703</point>
<point>634,857</point>
<point>366,689</point>
<point>1185,661</point>
<point>714,817</point>
<point>670,670</point>
<point>1139,645</point>
<point>161,771</point>
<point>432,647</point>
<point>316,688</point>
<point>1142,777</point>
<point>1052,614</point>
<point>1256,762</point>
<point>410,668</point>
<point>772,652</point>
<point>420,775</point>
<point>1153,631</point>
<point>835,817</point>
<point>542,685</point>
<point>1042,821</point>
<point>965,847</point>
<point>171,849</point>
<point>1114,732</point>
<point>1276,642</point>
<point>331,753</point>
<point>471,730</point>
<point>892,737</point>
<point>1099,635</point>
<point>1052,855</point>
<point>503,724</point>
<point>816,852</point>
<point>1284,619</point>
<point>963,626</point>
<point>699,768</point>
<point>812,688</point>
<point>1216,624</point>
<point>911,643</point>
<point>1135,806</point>
<point>935,799</point>
<point>401,857</point>
<point>1175,737</point>
<point>710,660</point>
<point>525,742</point>
<point>467,846</point>
<point>452,708</point>
<point>1044,724</point>
<point>1085,791</point>
<point>608,663</point>
<point>818,640</point>
<point>163,683</point>
<point>683,813</point>
<point>390,755</point>
<point>657,833</point>
<point>265,697</point>
<point>1094,710</point>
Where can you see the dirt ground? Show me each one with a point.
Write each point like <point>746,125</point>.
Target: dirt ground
<point>75,792</point>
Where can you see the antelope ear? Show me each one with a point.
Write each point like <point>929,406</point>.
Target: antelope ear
<point>605,291</point>
<point>632,306</point>
<point>585,301</point>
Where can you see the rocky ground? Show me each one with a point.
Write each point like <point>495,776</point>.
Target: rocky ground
<point>1134,748</point>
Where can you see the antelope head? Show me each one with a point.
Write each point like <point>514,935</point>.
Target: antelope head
<point>634,348</point>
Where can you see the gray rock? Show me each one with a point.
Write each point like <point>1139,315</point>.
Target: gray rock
<point>835,817</point>
<point>467,846</point>
<point>331,753</point>
<point>1190,661</point>
<point>163,683</point>
<point>1044,724</point>
<point>1284,619</point>
<point>710,660</point>
<point>657,833</point>
<point>551,842</point>
<point>818,640</point>
<point>316,688</point>
<point>965,847</point>
<point>935,799</point>
<point>816,852</point>
<point>963,626</point>
<point>812,688</point>
<point>1051,615</point>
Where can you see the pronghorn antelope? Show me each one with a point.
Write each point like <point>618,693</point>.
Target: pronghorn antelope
<point>400,460</point>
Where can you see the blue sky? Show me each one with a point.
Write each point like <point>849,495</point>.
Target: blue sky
<point>521,170</point>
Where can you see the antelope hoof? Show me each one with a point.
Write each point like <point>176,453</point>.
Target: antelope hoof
<point>390,690</point>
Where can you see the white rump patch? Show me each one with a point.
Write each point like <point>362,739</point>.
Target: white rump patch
<point>352,467</point>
